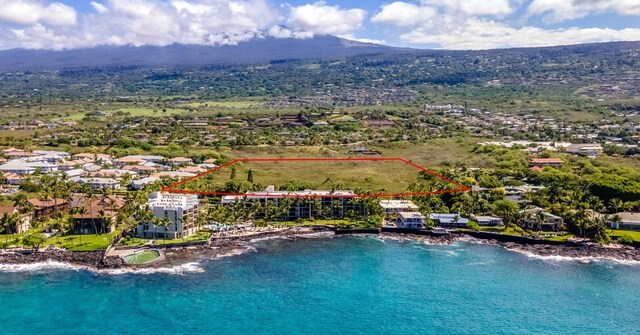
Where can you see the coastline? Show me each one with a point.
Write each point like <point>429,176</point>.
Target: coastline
<point>184,258</point>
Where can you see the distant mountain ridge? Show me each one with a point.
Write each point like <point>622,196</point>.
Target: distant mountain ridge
<point>256,51</point>
<point>259,50</point>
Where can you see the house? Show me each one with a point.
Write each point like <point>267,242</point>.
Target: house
<point>140,183</point>
<point>98,183</point>
<point>380,124</point>
<point>590,150</point>
<point>180,161</point>
<point>45,208</point>
<point>396,206</point>
<point>539,219</point>
<point>540,162</point>
<point>448,219</point>
<point>410,220</point>
<point>628,221</point>
<point>23,223</point>
<point>13,179</point>
<point>488,220</point>
<point>179,210</point>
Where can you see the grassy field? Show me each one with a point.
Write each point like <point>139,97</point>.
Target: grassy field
<point>228,104</point>
<point>374,176</point>
<point>80,242</point>
<point>635,235</point>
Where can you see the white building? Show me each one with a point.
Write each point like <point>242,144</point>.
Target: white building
<point>179,211</point>
<point>590,150</point>
<point>98,183</point>
<point>449,219</point>
<point>628,221</point>
<point>488,220</point>
<point>411,220</point>
<point>395,206</point>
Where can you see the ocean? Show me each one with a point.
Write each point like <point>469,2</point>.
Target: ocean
<point>340,285</point>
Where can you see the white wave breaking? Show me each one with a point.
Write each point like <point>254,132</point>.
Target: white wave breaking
<point>53,266</point>
<point>182,269</point>
<point>41,267</point>
<point>580,259</point>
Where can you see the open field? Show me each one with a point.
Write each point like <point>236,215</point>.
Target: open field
<point>365,176</point>
<point>80,242</point>
<point>634,234</point>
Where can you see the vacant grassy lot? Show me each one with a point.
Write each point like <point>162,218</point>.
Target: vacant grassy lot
<point>373,176</point>
<point>634,234</point>
<point>80,242</point>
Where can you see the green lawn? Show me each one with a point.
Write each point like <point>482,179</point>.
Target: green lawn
<point>149,112</point>
<point>80,242</point>
<point>560,238</point>
<point>197,237</point>
<point>634,234</point>
<point>500,229</point>
<point>374,176</point>
<point>9,239</point>
<point>228,104</point>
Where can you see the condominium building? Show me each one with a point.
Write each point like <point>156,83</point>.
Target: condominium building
<point>179,212</point>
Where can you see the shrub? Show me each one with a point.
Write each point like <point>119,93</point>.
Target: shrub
<point>625,239</point>
<point>473,225</point>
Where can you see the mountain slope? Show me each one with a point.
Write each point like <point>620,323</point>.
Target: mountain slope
<point>252,52</point>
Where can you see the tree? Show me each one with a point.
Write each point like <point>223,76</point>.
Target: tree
<point>506,209</point>
<point>233,173</point>
<point>8,223</point>
<point>34,240</point>
<point>250,176</point>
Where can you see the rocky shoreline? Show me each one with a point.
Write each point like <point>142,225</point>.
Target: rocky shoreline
<point>224,247</point>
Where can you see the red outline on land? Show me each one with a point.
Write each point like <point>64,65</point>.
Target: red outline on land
<point>461,188</point>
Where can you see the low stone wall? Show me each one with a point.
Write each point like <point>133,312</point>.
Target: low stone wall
<point>357,231</point>
<point>508,238</point>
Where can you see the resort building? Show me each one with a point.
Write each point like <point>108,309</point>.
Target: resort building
<point>22,224</point>
<point>302,204</point>
<point>178,211</point>
<point>45,208</point>
<point>95,216</point>
<point>410,220</point>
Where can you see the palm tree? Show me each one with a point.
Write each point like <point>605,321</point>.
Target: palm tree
<point>21,202</point>
<point>102,215</point>
<point>616,204</point>
<point>7,221</point>
<point>157,222</point>
<point>165,223</point>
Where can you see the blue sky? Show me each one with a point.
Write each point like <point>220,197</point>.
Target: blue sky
<point>450,24</point>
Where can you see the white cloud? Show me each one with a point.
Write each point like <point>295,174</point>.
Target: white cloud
<point>141,22</point>
<point>474,7</point>
<point>30,12</point>
<point>100,8</point>
<point>362,40</point>
<point>324,19</point>
<point>286,32</point>
<point>404,14</point>
<point>562,10</point>
<point>482,34</point>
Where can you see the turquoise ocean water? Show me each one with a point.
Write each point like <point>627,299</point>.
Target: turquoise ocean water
<point>342,285</point>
